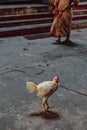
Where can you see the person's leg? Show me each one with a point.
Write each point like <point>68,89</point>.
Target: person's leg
<point>68,37</point>
<point>58,40</point>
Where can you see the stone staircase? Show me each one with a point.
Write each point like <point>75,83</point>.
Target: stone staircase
<point>33,19</point>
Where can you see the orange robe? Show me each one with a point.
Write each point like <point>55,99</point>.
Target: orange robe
<point>63,17</point>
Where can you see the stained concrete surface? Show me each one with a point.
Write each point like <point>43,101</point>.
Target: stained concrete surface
<point>38,60</point>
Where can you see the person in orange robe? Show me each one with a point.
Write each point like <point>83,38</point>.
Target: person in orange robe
<point>61,25</point>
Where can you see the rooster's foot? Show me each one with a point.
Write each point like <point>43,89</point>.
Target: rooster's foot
<point>46,112</point>
<point>49,107</point>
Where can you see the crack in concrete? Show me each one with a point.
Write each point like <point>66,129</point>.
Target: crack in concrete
<point>11,71</point>
<point>22,71</point>
<point>40,72</point>
<point>74,91</point>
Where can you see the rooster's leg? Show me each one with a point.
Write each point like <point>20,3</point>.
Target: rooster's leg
<point>44,107</point>
<point>48,107</point>
<point>44,104</point>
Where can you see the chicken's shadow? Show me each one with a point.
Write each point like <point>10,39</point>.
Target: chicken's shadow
<point>50,115</point>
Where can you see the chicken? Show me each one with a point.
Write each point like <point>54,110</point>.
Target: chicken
<point>44,90</point>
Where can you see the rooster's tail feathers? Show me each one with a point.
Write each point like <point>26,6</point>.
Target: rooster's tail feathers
<point>31,87</point>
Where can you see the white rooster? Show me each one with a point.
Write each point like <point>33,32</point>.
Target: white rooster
<point>44,90</point>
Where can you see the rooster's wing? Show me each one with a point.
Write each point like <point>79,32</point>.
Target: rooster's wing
<point>45,89</point>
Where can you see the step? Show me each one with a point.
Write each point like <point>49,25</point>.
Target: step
<point>79,21</point>
<point>81,6</point>
<point>80,17</point>
<point>24,27</point>
<point>79,25</point>
<point>79,12</point>
<point>25,16</point>
<point>24,30</point>
<point>25,22</point>
<point>37,36</point>
<point>23,9</point>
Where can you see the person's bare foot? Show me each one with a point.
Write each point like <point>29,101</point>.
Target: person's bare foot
<point>68,38</point>
<point>58,41</point>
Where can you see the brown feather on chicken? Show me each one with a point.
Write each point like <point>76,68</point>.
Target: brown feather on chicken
<point>44,90</point>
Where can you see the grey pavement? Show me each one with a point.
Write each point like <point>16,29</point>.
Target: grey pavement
<point>38,60</point>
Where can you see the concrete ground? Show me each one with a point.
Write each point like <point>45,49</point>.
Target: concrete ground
<point>38,60</point>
